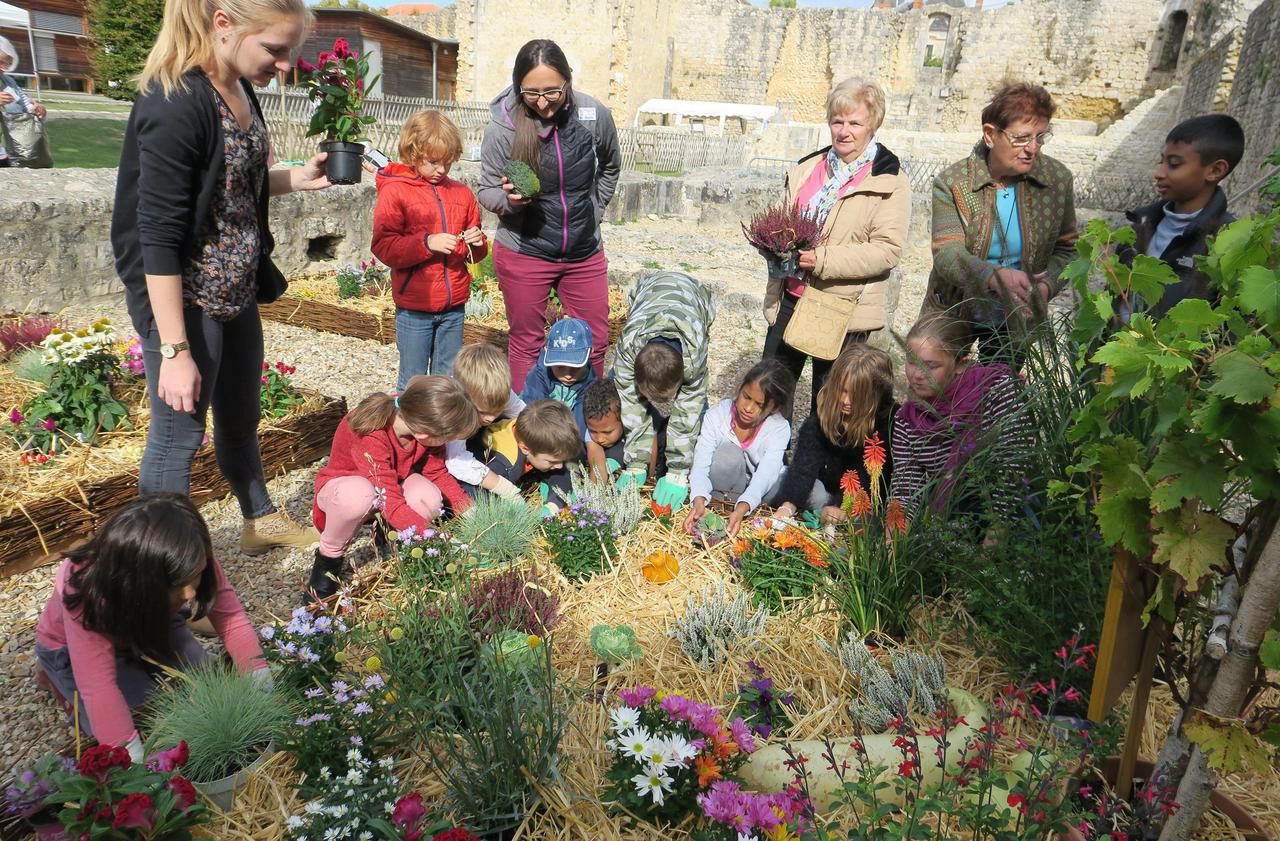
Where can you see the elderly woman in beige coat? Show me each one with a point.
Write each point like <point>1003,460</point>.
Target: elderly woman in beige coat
<point>858,192</point>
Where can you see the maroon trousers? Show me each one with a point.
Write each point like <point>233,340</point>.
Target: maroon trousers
<point>526,284</point>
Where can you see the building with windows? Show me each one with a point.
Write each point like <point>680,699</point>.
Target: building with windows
<point>53,48</point>
<point>407,62</point>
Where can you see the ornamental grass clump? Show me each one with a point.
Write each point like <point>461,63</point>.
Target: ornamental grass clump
<point>712,627</point>
<point>783,230</point>
<point>19,332</point>
<point>227,719</point>
<point>498,530</point>
<point>623,505</point>
<point>581,540</point>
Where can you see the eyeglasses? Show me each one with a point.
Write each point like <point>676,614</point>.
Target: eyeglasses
<point>1017,141</point>
<point>552,96</point>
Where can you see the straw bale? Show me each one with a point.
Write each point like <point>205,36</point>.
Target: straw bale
<point>44,508</point>
<point>312,301</point>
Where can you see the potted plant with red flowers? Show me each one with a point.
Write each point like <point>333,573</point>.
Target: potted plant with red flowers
<point>780,233</point>
<point>337,84</point>
<point>107,797</point>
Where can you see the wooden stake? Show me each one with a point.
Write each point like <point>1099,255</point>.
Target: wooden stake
<point>1156,633</point>
<point>1121,641</point>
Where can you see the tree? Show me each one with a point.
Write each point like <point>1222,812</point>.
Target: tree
<point>122,33</point>
<point>349,4</point>
<point>782,4</point>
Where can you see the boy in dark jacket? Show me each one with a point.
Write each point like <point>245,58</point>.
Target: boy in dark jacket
<point>426,228</point>
<point>563,372</point>
<point>1198,153</point>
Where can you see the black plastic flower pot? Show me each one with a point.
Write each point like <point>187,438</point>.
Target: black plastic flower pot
<point>343,164</point>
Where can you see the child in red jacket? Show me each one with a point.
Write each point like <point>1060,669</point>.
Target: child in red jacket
<point>426,228</point>
<point>388,456</point>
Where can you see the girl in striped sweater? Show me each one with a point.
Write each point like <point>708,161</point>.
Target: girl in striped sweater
<point>957,408</point>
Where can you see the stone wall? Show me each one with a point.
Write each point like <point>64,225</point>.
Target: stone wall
<point>1092,54</point>
<point>56,245</point>
<point>1209,77</point>
<point>1255,100</point>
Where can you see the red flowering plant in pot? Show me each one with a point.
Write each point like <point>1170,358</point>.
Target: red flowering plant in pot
<point>107,797</point>
<point>337,84</point>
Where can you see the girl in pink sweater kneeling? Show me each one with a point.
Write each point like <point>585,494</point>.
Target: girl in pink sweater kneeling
<point>120,606</point>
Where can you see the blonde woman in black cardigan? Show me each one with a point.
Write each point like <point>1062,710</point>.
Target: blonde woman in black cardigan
<point>189,232</point>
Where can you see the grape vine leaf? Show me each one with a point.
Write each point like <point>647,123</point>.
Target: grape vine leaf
<point>1186,468</point>
<point>1260,294</point>
<point>1149,277</point>
<point>1241,377</point>
<point>1227,745</point>
<point>1269,652</point>
<point>1190,542</point>
<point>1190,317</point>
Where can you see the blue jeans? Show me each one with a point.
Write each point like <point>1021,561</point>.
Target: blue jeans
<point>427,341</point>
<point>229,356</point>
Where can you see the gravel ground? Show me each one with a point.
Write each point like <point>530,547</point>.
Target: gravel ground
<point>352,368</point>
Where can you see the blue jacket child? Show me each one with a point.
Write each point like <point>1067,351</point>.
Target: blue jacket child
<point>563,372</point>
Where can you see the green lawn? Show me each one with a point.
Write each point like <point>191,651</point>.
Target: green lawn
<point>117,108</point>
<point>90,143</point>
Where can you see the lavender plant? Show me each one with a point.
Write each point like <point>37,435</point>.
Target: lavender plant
<point>581,539</point>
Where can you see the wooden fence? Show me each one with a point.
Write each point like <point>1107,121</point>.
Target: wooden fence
<point>287,112</point>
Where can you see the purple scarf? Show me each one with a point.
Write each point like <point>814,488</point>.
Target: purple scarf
<point>958,412</point>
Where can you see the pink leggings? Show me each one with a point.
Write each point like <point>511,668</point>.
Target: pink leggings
<point>526,284</point>
<point>347,502</point>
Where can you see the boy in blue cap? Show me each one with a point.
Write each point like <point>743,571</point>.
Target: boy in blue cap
<point>563,372</point>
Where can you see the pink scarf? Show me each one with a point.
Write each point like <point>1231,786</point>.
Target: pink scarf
<point>811,187</point>
<point>958,412</point>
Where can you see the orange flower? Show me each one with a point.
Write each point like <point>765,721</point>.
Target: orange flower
<point>873,457</point>
<point>741,546</point>
<point>788,538</point>
<point>850,483</point>
<point>708,770</point>
<point>659,510</point>
<point>725,747</point>
<point>895,518</point>
<point>861,506</point>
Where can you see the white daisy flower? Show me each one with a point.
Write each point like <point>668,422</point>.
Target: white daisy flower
<point>655,784</point>
<point>624,719</point>
<point>635,744</point>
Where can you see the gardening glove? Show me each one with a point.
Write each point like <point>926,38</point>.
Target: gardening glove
<point>672,489</point>
<point>611,465</point>
<point>544,492</point>
<point>506,489</point>
<point>631,476</point>
<point>549,510</point>
<point>811,519</point>
<point>134,746</point>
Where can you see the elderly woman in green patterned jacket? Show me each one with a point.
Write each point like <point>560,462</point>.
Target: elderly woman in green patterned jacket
<point>662,363</point>
<point>1004,224</point>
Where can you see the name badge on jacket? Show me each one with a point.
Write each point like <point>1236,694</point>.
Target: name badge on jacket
<point>586,114</point>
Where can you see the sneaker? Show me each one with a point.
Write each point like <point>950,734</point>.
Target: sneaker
<point>275,529</point>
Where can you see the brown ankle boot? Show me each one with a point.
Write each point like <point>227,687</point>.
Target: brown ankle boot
<point>263,534</point>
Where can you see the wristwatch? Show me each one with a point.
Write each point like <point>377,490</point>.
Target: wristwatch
<point>170,351</point>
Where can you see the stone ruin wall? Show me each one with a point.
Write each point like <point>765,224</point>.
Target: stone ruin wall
<point>1092,54</point>
<point>1255,96</point>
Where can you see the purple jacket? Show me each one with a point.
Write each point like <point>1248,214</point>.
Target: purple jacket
<point>578,169</point>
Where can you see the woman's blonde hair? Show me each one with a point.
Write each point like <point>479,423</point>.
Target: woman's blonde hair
<point>483,371</point>
<point>867,374</point>
<point>854,90</point>
<point>186,35</point>
<point>429,135</point>
<point>429,405</point>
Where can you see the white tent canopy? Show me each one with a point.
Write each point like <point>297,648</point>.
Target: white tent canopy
<point>696,109</point>
<point>15,18</point>
<point>12,16</point>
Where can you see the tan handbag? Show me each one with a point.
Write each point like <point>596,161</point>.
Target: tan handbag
<point>819,323</point>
